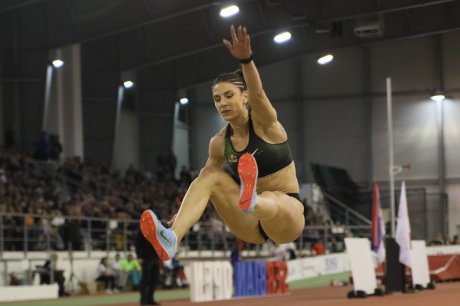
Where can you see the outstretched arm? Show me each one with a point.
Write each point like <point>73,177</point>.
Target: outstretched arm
<point>240,47</point>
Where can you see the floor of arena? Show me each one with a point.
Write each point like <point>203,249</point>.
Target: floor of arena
<point>446,294</point>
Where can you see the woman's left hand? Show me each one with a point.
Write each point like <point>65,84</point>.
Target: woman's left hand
<point>240,47</point>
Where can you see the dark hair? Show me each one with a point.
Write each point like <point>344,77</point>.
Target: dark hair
<point>236,78</point>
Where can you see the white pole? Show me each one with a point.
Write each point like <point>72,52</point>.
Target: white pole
<point>46,105</point>
<point>390,157</point>
<point>120,96</point>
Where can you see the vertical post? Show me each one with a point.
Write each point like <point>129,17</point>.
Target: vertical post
<point>391,156</point>
<point>26,238</point>
<point>46,105</point>
<point>441,154</point>
<point>107,236</point>
<point>125,236</point>
<point>1,238</point>
<point>121,92</point>
<point>90,238</point>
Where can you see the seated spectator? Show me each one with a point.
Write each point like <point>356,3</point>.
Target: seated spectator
<point>132,268</point>
<point>338,231</point>
<point>174,274</point>
<point>285,251</point>
<point>318,248</point>
<point>118,273</point>
<point>105,274</point>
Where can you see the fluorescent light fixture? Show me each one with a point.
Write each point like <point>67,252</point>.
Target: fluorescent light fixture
<point>229,11</point>
<point>57,63</point>
<point>183,101</point>
<point>438,97</point>
<point>325,59</point>
<point>282,37</point>
<point>128,84</point>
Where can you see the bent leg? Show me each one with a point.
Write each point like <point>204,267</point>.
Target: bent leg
<point>281,216</point>
<point>215,185</point>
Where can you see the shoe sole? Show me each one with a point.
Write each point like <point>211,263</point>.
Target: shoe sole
<point>247,170</point>
<point>149,230</point>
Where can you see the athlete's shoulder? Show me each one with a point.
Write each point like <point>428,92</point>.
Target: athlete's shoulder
<point>219,136</point>
<point>218,139</point>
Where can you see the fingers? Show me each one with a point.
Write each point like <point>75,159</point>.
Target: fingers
<point>239,43</point>
<point>242,34</point>
<point>227,44</point>
<point>234,36</point>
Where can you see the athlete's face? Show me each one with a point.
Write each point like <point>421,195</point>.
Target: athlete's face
<point>229,100</point>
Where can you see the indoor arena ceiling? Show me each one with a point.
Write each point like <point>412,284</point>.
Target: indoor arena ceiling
<point>182,39</point>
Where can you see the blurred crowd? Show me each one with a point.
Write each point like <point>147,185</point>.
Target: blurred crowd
<point>39,187</point>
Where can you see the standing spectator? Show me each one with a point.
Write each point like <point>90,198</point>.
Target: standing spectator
<point>171,161</point>
<point>185,176</point>
<point>71,234</point>
<point>161,159</point>
<point>150,270</point>
<point>454,240</point>
<point>43,147</point>
<point>56,148</point>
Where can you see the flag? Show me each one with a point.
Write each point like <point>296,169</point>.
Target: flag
<point>378,227</point>
<point>403,235</point>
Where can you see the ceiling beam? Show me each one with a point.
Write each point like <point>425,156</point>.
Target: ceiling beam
<point>18,6</point>
<point>153,21</point>
<point>386,10</point>
<point>207,48</point>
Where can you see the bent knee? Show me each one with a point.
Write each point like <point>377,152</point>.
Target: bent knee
<point>210,171</point>
<point>213,175</point>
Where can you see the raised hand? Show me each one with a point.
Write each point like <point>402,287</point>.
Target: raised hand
<point>240,47</point>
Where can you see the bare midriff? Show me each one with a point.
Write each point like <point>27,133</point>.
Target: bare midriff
<point>283,180</point>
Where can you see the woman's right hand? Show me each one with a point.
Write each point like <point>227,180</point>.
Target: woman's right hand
<point>240,47</point>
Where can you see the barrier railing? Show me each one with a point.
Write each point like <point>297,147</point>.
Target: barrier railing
<point>33,232</point>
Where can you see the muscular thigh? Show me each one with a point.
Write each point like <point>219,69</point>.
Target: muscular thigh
<point>225,199</point>
<point>289,223</point>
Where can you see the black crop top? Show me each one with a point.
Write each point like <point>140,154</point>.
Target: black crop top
<point>270,157</point>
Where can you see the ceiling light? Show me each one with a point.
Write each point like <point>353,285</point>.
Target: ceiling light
<point>128,84</point>
<point>282,37</point>
<point>438,97</point>
<point>57,63</point>
<point>325,59</point>
<point>229,11</point>
<point>183,101</point>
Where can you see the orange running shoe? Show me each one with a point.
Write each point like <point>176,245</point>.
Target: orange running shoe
<point>161,238</point>
<point>247,170</point>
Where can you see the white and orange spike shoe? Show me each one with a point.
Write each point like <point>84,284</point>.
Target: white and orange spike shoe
<point>247,170</point>
<point>161,238</point>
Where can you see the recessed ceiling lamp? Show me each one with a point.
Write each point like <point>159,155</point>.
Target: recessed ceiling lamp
<point>325,59</point>
<point>128,84</point>
<point>282,37</point>
<point>229,11</point>
<point>183,101</point>
<point>57,63</point>
<point>438,96</point>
